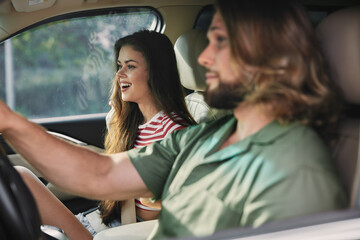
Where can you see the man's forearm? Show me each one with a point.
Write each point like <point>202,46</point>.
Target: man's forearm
<point>75,169</point>
<point>64,164</point>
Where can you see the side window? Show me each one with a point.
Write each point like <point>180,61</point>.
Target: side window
<point>65,67</point>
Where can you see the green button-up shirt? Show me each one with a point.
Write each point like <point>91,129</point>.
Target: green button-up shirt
<point>276,173</point>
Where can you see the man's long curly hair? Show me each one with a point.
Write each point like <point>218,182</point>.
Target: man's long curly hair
<point>276,53</point>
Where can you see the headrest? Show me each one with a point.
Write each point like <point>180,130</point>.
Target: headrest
<point>187,49</point>
<point>339,35</point>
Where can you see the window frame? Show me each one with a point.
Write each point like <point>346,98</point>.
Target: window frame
<point>84,14</point>
<point>90,13</point>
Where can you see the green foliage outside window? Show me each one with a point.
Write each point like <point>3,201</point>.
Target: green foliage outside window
<point>66,67</point>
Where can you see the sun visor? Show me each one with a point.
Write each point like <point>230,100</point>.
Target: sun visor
<point>31,5</point>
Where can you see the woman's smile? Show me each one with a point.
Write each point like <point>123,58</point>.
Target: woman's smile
<point>125,86</point>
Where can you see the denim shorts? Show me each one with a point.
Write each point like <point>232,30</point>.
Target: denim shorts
<point>83,219</point>
<point>85,222</point>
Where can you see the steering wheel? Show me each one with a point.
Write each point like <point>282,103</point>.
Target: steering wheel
<point>19,218</point>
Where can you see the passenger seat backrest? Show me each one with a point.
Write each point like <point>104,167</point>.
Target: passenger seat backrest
<point>339,35</point>
<point>188,47</point>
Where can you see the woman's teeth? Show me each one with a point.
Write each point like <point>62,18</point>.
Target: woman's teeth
<point>125,85</point>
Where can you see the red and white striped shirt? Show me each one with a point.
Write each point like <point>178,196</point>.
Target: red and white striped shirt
<point>155,130</point>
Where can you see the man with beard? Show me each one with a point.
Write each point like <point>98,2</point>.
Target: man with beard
<point>266,162</point>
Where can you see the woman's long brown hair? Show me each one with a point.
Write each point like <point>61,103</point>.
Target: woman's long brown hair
<point>167,91</point>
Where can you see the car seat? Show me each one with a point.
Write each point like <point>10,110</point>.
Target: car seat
<point>192,75</point>
<point>339,36</point>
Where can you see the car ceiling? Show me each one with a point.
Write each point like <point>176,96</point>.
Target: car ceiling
<point>16,15</point>
<point>13,21</point>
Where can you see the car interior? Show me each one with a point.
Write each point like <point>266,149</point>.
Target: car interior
<point>336,23</point>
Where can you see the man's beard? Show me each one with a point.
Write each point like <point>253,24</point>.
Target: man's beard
<point>225,96</point>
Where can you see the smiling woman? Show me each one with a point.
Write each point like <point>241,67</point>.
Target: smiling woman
<point>146,74</point>
<point>132,75</point>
